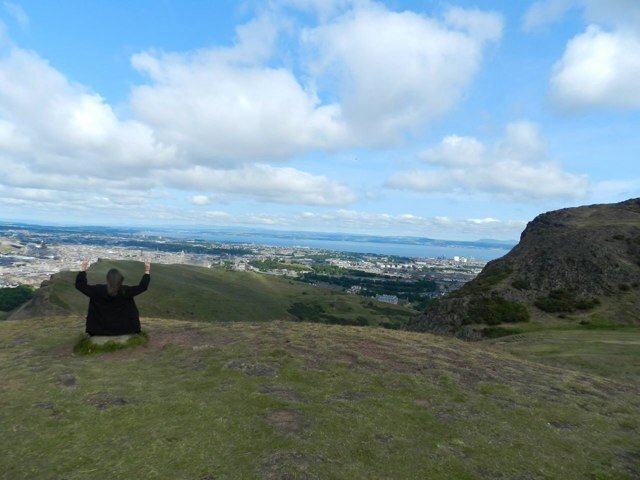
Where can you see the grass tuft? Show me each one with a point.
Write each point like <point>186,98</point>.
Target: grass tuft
<point>84,345</point>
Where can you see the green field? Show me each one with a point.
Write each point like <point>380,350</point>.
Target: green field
<point>275,400</point>
<point>214,294</point>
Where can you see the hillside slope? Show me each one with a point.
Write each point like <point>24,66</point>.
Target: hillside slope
<point>195,293</point>
<point>581,263</point>
<point>244,400</point>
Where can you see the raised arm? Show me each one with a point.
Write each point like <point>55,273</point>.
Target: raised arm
<point>132,291</point>
<point>81,283</point>
<point>142,286</point>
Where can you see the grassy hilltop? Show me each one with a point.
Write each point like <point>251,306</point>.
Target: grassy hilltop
<point>276,400</point>
<point>213,294</point>
<point>232,386</point>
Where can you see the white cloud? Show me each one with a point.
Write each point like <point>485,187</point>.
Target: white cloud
<point>479,24</point>
<point>278,185</point>
<point>455,150</point>
<point>200,200</point>
<point>229,105</point>
<point>410,224</point>
<point>59,136</point>
<point>517,167</point>
<point>50,125</point>
<point>398,70</point>
<point>598,69</point>
<point>224,105</point>
<point>207,122</point>
<point>372,222</point>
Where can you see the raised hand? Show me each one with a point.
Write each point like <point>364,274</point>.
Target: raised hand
<point>85,265</point>
<point>147,266</point>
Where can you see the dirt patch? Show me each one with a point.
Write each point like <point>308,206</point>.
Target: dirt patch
<point>286,421</point>
<point>67,380</point>
<point>257,369</point>
<point>383,439</point>
<point>104,400</point>
<point>630,460</point>
<point>49,407</point>
<point>290,465</point>
<point>281,393</point>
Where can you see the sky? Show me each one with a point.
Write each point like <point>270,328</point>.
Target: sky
<point>457,120</point>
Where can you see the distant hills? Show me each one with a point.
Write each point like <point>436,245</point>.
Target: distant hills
<point>576,264</point>
<point>253,235</point>
<point>187,292</point>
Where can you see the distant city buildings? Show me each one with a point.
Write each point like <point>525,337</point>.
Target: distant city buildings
<point>392,299</point>
<point>31,257</point>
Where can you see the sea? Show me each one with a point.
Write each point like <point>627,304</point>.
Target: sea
<point>361,246</point>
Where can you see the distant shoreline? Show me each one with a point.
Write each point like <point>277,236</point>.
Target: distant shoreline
<point>407,246</point>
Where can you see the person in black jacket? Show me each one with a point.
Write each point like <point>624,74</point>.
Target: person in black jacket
<point>112,310</point>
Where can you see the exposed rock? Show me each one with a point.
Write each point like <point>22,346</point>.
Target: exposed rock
<point>103,339</point>
<point>567,260</point>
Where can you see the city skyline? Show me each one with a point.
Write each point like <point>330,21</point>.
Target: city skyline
<point>458,120</point>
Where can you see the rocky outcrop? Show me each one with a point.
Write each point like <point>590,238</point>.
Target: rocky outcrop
<point>567,260</point>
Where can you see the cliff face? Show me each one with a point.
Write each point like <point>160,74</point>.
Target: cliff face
<point>568,261</point>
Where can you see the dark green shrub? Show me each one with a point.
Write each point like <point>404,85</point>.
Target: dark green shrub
<point>521,284</point>
<point>496,332</point>
<point>564,301</point>
<point>624,287</point>
<point>390,326</point>
<point>306,311</point>
<point>11,298</point>
<point>496,310</point>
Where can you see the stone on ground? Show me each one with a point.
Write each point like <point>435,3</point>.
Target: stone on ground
<point>120,339</point>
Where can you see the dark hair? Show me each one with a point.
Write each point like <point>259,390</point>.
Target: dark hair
<point>114,281</point>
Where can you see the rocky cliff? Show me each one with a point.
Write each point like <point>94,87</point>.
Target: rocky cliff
<point>569,263</point>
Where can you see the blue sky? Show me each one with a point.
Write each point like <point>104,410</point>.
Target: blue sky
<point>458,120</point>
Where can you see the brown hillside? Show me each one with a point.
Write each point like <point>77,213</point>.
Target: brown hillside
<point>569,261</point>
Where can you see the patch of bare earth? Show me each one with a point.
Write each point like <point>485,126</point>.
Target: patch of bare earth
<point>289,466</point>
<point>256,369</point>
<point>290,422</point>
<point>281,393</point>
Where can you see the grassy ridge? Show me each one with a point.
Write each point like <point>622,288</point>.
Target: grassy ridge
<point>294,400</point>
<point>202,294</point>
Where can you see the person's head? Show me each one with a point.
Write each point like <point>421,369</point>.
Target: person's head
<point>114,281</point>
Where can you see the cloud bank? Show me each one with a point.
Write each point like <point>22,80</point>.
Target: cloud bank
<point>517,167</point>
<point>220,121</point>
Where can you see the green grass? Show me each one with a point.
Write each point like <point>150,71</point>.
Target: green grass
<point>245,400</point>
<point>611,352</point>
<point>214,295</point>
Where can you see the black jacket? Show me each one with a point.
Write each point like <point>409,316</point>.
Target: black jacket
<point>117,315</point>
